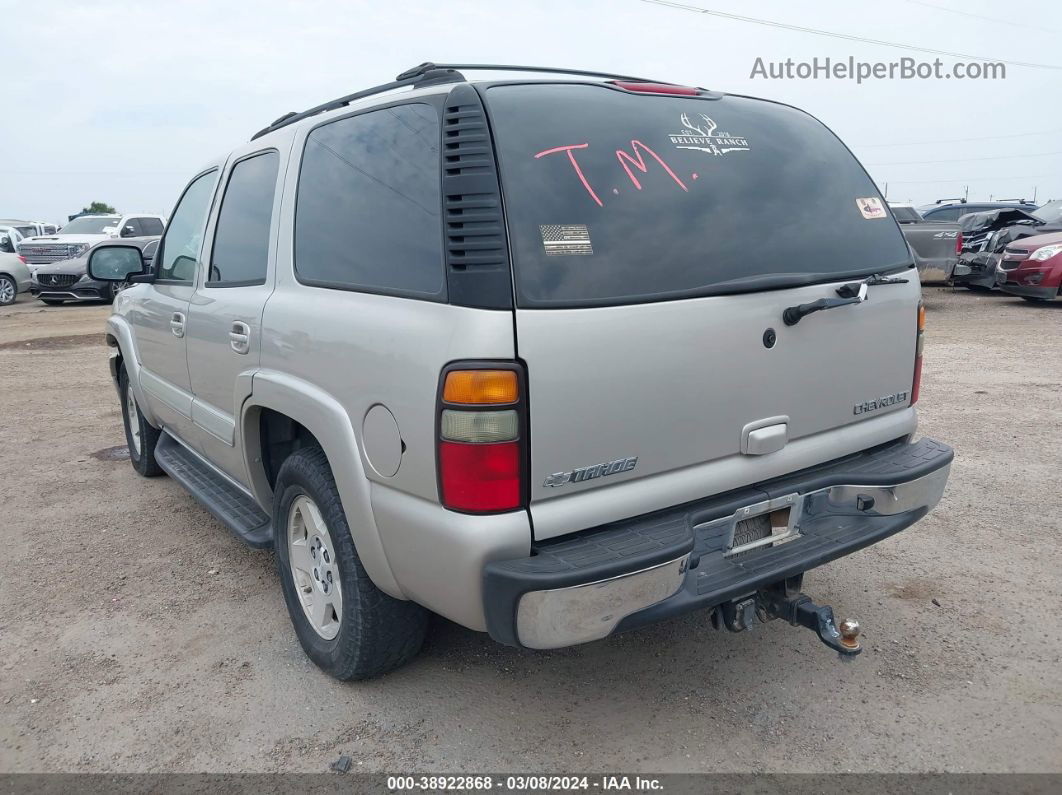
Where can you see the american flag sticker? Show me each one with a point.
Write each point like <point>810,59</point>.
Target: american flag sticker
<point>565,240</point>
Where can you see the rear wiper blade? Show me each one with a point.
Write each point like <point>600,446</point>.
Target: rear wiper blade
<point>879,278</point>
<point>850,294</point>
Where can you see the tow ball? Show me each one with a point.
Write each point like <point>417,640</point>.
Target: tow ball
<point>800,611</point>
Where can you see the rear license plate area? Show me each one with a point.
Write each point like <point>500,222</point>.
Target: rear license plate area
<point>758,532</point>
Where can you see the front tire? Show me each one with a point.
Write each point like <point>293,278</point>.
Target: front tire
<point>345,624</point>
<point>140,436</point>
<point>8,291</point>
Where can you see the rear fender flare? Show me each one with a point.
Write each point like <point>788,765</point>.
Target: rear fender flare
<point>323,416</point>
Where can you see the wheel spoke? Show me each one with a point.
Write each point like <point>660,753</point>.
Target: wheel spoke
<point>312,517</point>
<point>299,554</point>
<point>320,610</point>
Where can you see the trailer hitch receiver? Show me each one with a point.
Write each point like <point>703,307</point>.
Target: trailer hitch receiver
<point>800,611</point>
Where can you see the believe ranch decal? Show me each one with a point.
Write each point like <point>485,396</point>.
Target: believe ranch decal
<point>703,137</point>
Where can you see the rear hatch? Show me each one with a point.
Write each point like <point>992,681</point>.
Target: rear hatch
<point>656,242</point>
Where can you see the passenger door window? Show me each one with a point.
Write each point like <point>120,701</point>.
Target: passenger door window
<point>179,253</point>
<point>369,204</point>
<point>241,241</point>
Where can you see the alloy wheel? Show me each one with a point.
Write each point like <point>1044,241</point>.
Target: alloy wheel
<point>312,560</point>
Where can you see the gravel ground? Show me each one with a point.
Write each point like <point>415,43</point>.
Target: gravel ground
<point>137,635</point>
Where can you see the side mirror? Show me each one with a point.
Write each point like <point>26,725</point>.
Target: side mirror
<point>5,245</point>
<point>127,231</point>
<point>115,263</point>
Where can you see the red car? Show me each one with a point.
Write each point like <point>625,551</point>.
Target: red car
<point>1032,267</point>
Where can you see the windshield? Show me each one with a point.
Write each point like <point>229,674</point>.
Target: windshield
<point>27,231</point>
<point>1050,212</point>
<point>89,225</point>
<point>615,198</point>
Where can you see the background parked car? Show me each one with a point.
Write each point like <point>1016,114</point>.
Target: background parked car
<point>935,245</point>
<point>68,280</point>
<point>14,275</point>
<point>986,235</point>
<point>1032,267</point>
<point>954,209</point>
<point>82,233</point>
<point>30,228</point>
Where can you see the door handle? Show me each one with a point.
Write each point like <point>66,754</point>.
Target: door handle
<point>240,337</point>
<point>177,324</point>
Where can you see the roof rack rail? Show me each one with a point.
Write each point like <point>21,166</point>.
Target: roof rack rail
<point>425,77</point>
<point>428,66</point>
<point>429,73</point>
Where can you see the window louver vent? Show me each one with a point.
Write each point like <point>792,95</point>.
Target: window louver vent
<point>477,251</point>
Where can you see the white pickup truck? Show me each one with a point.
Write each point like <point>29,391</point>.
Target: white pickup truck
<point>82,233</point>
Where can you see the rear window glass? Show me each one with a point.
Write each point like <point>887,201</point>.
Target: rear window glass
<point>616,198</point>
<point>906,215</point>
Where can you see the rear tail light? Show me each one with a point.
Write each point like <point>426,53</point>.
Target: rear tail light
<point>919,345</point>
<point>21,259</point>
<point>482,437</point>
<point>958,243</point>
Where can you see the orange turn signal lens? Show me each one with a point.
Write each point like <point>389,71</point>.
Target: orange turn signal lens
<point>921,316</point>
<point>472,387</point>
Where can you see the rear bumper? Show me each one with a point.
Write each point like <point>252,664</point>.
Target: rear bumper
<point>1029,291</point>
<point>645,569</point>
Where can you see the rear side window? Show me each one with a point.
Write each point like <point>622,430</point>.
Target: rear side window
<point>615,198</point>
<point>183,243</point>
<point>948,213</point>
<point>241,242</point>
<point>151,226</point>
<point>368,206</point>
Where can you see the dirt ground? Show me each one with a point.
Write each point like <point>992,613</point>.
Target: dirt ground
<point>136,634</point>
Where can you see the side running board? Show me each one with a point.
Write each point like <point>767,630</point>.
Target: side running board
<point>228,504</point>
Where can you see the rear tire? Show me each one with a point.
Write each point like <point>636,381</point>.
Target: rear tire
<point>8,291</point>
<point>140,436</point>
<point>370,633</point>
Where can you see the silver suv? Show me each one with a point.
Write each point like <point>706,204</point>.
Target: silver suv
<point>552,359</point>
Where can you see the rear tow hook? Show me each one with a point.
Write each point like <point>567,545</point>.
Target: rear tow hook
<point>800,611</point>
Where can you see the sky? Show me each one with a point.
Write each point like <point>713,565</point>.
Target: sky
<point>122,102</point>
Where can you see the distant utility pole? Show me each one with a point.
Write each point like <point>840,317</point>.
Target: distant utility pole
<point>966,193</point>
<point>886,190</point>
<point>1035,188</point>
